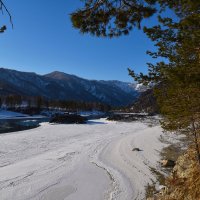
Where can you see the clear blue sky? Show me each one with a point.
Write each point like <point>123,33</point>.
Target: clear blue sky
<point>43,41</point>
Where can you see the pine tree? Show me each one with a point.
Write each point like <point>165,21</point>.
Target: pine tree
<point>179,96</point>
<point>177,41</point>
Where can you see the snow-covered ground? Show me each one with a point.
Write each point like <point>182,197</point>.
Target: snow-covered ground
<point>93,161</point>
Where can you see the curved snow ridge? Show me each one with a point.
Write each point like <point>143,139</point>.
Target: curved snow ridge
<point>114,186</point>
<point>130,170</point>
<point>117,186</point>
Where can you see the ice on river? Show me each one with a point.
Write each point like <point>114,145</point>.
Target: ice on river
<point>91,161</point>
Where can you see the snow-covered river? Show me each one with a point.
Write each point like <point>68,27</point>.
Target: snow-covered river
<point>93,161</point>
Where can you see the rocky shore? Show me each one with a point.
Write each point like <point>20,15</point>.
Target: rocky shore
<point>183,180</point>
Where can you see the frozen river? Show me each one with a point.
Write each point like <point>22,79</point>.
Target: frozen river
<point>91,161</point>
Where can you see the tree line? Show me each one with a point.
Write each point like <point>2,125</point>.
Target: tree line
<point>18,102</point>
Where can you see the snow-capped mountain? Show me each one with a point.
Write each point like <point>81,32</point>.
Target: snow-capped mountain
<point>62,86</point>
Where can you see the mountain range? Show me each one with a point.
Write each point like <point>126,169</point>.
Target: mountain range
<point>62,86</point>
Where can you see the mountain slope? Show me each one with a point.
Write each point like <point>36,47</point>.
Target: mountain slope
<point>146,102</point>
<point>62,86</point>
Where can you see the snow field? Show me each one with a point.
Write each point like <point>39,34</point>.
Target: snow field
<point>91,161</point>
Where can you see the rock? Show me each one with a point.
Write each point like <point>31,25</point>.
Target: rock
<point>136,149</point>
<point>68,119</point>
<point>167,163</point>
<point>163,190</point>
<point>160,187</point>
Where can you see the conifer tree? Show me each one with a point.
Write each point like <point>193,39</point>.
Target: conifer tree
<point>179,96</point>
<point>177,41</point>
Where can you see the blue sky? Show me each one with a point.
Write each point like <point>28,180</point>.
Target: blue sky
<point>43,41</point>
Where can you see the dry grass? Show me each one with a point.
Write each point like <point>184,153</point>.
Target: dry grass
<point>184,182</point>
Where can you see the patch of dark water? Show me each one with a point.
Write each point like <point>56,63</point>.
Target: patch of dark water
<point>14,125</point>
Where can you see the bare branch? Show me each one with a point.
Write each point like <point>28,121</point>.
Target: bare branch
<point>3,6</point>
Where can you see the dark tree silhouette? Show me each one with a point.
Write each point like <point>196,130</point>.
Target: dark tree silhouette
<point>3,9</point>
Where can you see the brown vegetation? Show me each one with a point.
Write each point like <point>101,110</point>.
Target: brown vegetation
<point>184,181</point>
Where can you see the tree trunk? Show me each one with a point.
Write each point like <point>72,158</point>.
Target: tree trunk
<point>196,141</point>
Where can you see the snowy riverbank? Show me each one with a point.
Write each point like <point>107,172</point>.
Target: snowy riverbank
<point>94,161</point>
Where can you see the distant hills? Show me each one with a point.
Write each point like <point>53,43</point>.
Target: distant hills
<point>62,86</point>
